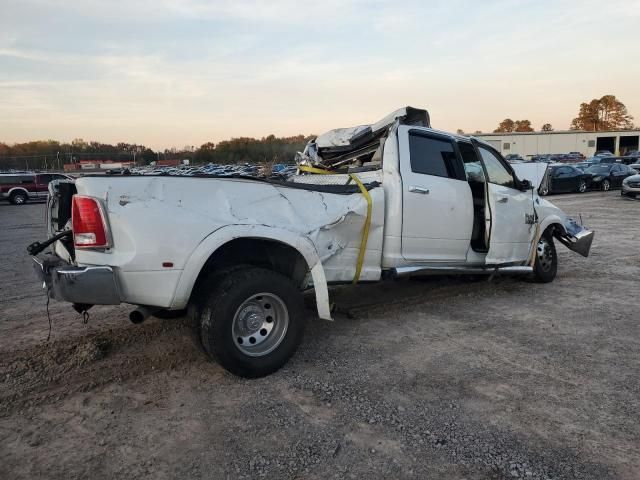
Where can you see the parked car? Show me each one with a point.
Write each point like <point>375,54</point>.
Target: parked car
<point>18,188</point>
<point>631,186</point>
<point>514,158</point>
<point>577,155</point>
<point>608,175</point>
<point>603,153</point>
<point>602,159</point>
<point>564,178</point>
<point>242,250</point>
<point>582,165</point>
<point>541,158</point>
<point>118,171</point>
<point>633,154</point>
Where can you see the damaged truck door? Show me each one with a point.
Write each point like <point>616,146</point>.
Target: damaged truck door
<point>511,212</point>
<point>369,202</point>
<point>437,213</point>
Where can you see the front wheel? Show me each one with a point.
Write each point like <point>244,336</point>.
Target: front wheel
<point>546,264</point>
<point>251,321</point>
<point>606,185</point>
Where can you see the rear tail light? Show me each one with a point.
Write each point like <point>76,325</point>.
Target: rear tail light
<point>88,223</point>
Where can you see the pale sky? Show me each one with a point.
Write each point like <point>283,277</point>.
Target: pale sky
<point>173,73</point>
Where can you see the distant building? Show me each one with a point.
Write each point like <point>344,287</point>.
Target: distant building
<point>95,165</point>
<point>168,163</point>
<point>587,143</point>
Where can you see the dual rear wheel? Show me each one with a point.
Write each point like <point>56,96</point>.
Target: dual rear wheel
<point>251,320</point>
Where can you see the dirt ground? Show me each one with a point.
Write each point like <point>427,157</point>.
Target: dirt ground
<point>435,377</point>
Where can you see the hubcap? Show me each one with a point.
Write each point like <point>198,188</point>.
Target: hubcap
<point>545,254</point>
<point>605,185</point>
<point>18,199</point>
<point>260,324</point>
<point>583,186</point>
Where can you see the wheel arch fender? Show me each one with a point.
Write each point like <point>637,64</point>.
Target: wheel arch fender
<point>550,220</point>
<point>220,237</point>
<point>18,189</point>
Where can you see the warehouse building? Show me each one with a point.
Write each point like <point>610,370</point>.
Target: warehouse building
<point>540,143</point>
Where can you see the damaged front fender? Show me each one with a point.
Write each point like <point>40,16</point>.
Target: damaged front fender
<point>575,237</point>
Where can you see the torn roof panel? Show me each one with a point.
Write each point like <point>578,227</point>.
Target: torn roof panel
<point>355,136</point>
<point>328,148</point>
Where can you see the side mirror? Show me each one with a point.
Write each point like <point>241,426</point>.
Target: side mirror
<point>525,185</point>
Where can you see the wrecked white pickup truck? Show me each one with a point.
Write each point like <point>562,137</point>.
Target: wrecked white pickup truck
<point>368,202</point>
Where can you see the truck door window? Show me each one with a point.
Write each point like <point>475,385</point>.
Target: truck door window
<point>496,172</point>
<point>434,156</point>
<point>472,165</point>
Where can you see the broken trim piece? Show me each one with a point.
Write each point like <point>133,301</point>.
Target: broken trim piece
<point>575,237</point>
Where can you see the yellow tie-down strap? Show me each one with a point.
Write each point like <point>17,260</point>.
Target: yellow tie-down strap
<point>367,222</point>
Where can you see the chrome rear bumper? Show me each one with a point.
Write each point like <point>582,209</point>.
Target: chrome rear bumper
<point>92,285</point>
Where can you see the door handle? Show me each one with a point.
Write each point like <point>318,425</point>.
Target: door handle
<point>416,189</point>
<point>503,199</point>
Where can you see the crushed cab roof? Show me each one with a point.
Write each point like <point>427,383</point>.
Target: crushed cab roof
<point>343,144</point>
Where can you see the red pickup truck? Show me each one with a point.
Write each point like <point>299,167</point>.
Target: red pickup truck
<point>18,188</point>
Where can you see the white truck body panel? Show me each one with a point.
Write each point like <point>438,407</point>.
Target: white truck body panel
<point>511,236</point>
<point>203,209</point>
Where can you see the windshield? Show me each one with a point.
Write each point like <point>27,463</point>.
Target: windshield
<point>598,169</point>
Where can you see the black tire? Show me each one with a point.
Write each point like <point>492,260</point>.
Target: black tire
<point>606,185</point>
<point>18,198</point>
<point>546,264</point>
<point>219,315</point>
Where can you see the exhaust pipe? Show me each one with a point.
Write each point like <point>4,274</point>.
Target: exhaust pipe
<point>140,314</point>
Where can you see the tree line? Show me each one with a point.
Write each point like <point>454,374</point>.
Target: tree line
<point>605,113</point>
<point>51,154</point>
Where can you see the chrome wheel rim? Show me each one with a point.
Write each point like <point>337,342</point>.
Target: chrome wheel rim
<point>545,254</point>
<point>18,199</point>
<point>582,187</point>
<point>260,324</point>
<point>544,191</point>
<point>605,185</point>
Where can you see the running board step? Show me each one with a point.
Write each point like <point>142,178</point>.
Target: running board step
<point>440,270</point>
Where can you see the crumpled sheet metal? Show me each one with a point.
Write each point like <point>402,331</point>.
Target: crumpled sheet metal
<point>344,138</point>
<point>341,137</point>
<point>199,206</point>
